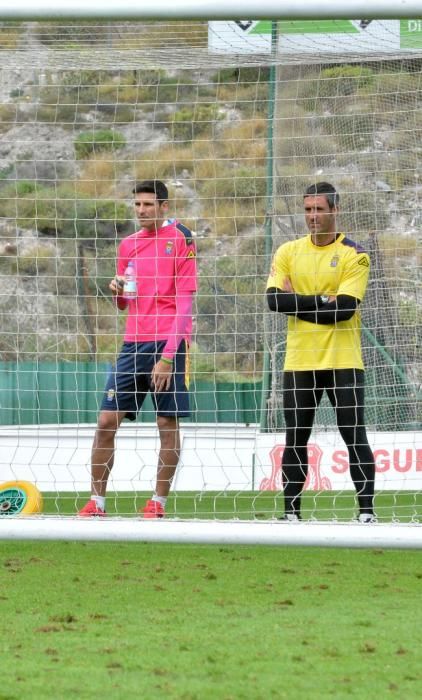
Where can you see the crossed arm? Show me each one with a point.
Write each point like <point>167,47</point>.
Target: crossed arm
<point>313,308</point>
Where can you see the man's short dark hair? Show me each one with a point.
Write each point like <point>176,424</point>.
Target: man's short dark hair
<point>325,188</point>
<point>153,187</point>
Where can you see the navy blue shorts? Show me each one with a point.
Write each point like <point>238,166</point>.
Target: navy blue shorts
<point>130,381</point>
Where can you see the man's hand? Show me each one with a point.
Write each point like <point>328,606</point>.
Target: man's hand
<point>161,376</point>
<point>116,285</point>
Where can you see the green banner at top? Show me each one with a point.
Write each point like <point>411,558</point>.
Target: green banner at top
<point>317,37</point>
<point>411,33</point>
<point>327,26</point>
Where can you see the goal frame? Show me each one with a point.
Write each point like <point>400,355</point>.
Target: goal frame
<point>354,535</point>
<point>206,9</point>
<point>238,532</point>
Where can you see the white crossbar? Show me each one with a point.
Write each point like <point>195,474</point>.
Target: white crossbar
<point>207,9</point>
<point>355,535</point>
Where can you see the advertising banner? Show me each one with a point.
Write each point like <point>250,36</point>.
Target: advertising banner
<point>221,458</point>
<point>313,37</point>
<point>398,462</point>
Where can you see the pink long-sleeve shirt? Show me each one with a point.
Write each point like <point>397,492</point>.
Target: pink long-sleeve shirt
<point>164,262</point>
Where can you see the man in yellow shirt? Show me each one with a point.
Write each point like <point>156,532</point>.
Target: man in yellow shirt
<point>319,281</point>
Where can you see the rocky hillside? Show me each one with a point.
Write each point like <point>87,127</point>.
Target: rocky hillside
<point>72,143</point>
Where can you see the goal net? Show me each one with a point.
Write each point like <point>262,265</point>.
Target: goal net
<point>237,118</point>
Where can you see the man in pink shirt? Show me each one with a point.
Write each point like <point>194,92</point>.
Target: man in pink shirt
<point>161,259</point>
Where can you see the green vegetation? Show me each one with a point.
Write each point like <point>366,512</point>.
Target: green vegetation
<point>37,260</point>
<point>242,75</point>
<point>156,87</point>
<point>72,34</point>
<point>10,35</point>
<point>243,184</point>
<point>190,122</point>
<point>364,211</point>
<point>347,80</point>
<point>331,85</point>
<point>65,110</point>
<point>89,142</point>
<point>8,116</point>
<point>56,212</point>
<point>99,220</point>
<point>155,35</point>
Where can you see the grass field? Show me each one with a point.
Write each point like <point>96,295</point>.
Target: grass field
<point>190,622</point>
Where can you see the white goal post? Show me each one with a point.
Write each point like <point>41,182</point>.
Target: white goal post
<point>206,9</point>
<point>307,534</point>
<point>237,119</point>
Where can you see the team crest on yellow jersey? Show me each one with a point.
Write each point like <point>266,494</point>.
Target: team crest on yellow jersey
<point>334,261</point>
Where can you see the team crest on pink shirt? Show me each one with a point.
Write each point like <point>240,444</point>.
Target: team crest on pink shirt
<point>169,247</point>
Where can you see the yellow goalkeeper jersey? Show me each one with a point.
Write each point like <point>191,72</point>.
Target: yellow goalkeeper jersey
<point>342,267</point>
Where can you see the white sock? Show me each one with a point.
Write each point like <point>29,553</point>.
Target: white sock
<point>99,500</point>
<point>159,499</point>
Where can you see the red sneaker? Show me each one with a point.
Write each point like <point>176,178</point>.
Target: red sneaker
<point>153,509</point>
<point>91,510</point>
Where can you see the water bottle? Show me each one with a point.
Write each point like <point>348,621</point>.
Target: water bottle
<point>129,287</point>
